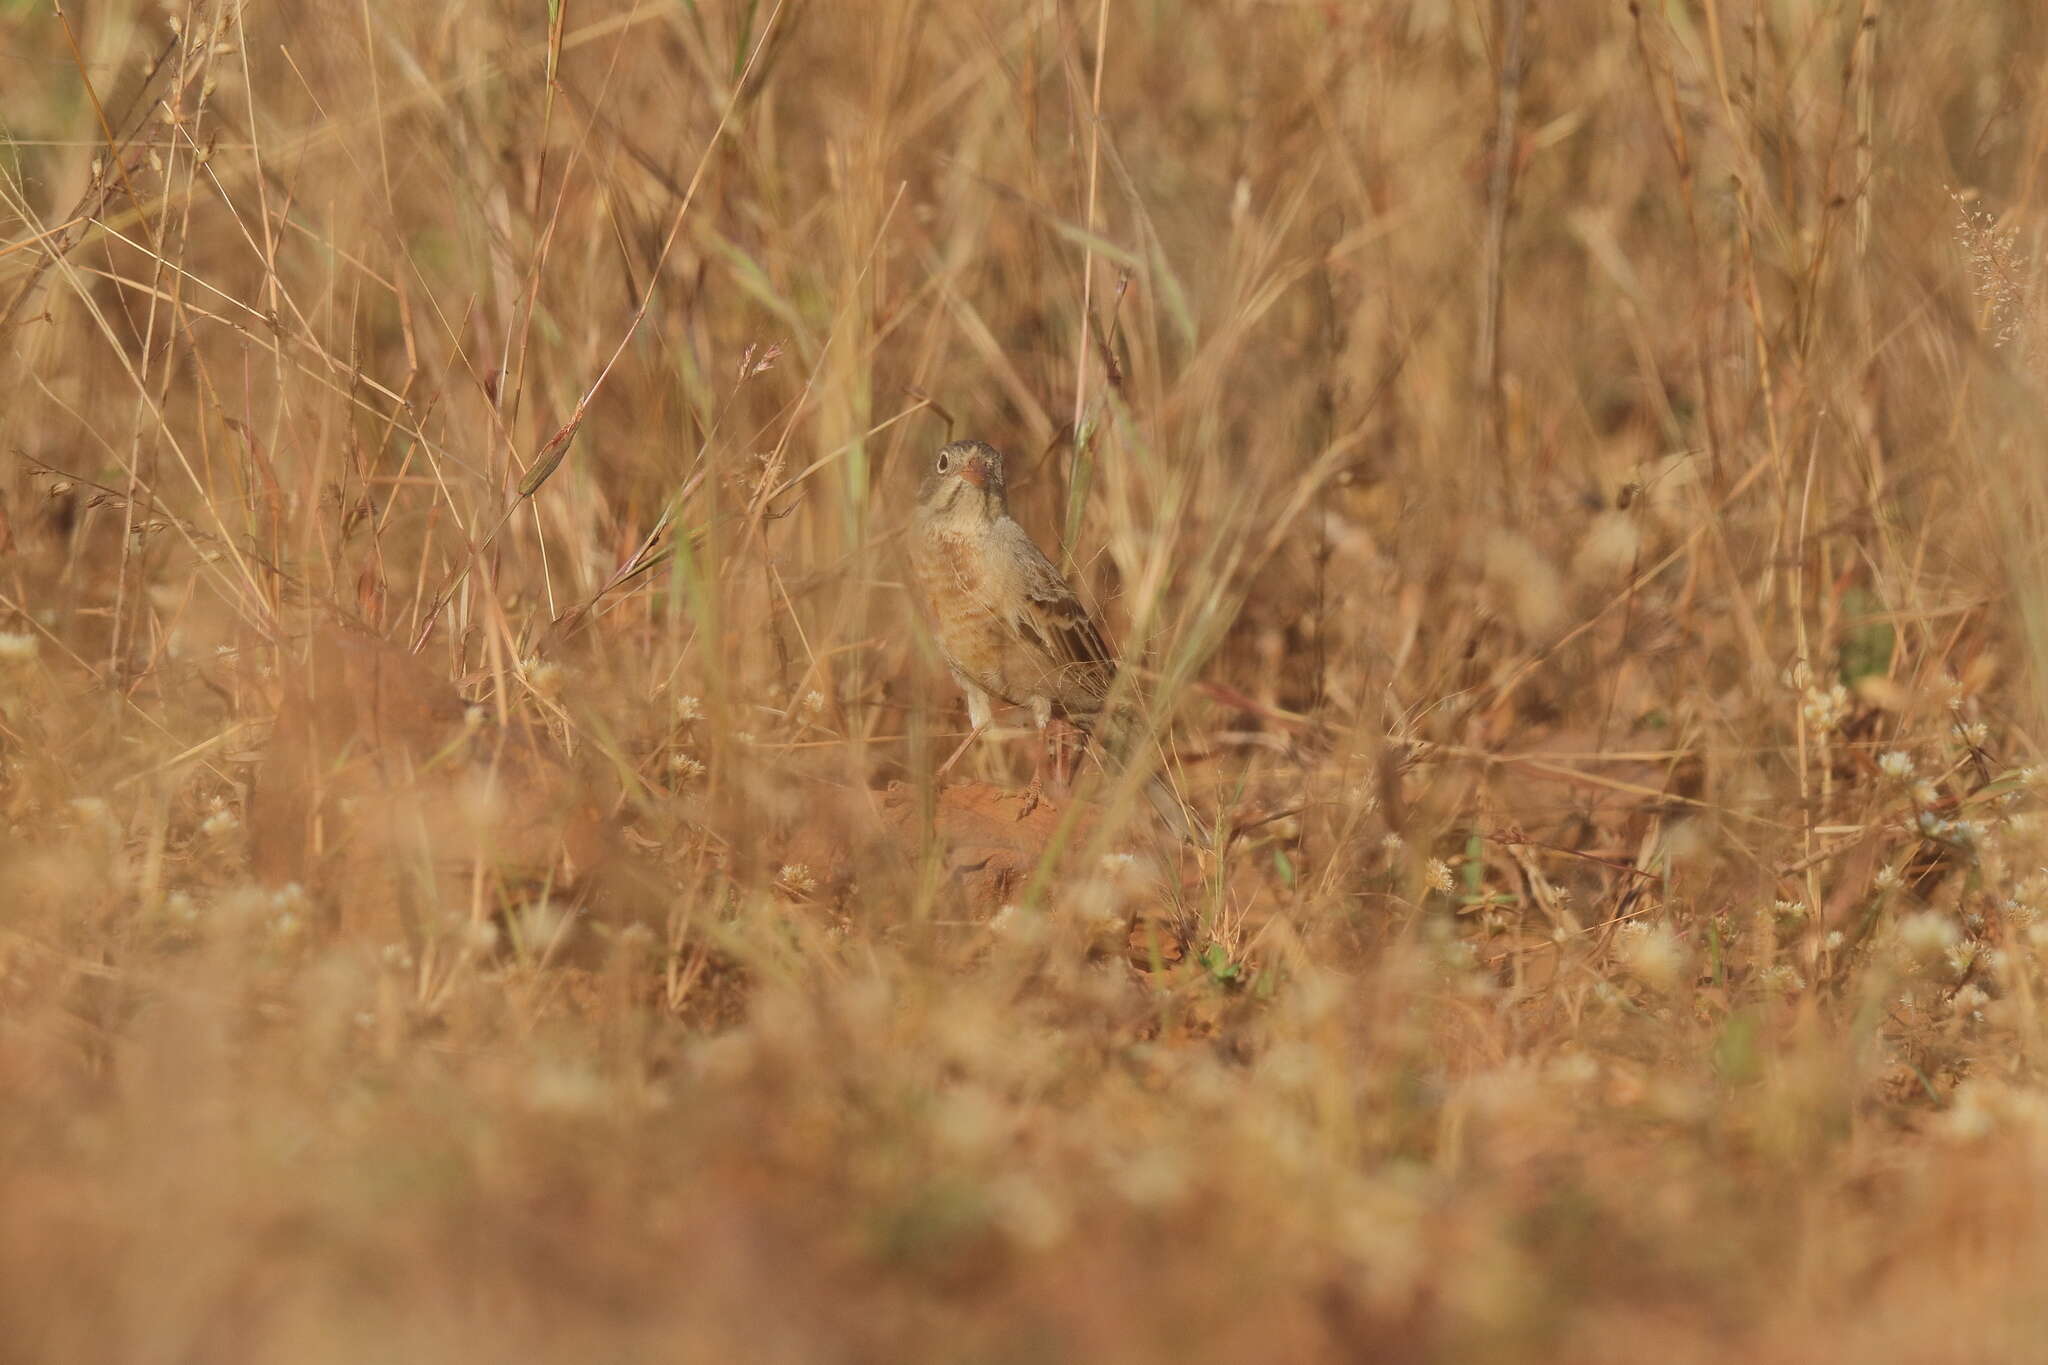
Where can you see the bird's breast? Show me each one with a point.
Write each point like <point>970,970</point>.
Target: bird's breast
<point>965,592</point>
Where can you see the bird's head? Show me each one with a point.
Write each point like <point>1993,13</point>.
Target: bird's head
<point>966,478</point>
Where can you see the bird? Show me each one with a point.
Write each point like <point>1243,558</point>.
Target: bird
<point>1010,626</point>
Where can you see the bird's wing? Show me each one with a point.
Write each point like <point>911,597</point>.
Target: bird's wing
<point>1051,617</point>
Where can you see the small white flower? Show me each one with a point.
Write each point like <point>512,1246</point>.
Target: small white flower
<point>1439,876</point>
<point>1652,954</point>
<point>1825,710</point>
<point>1928,933</point>
<point>1573,1069</point>
<point>18,647</point>
<point>1116,864</point>
<point>90,810</point>
<point>221,823</point>
<point>545,677</point>
<point>1896,764</point>
<point>1780,977</point>
<point>797,877</point>
<point>542,922</point>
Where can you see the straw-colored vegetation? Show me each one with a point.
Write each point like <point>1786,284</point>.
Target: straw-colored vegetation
<point>1569,483</point>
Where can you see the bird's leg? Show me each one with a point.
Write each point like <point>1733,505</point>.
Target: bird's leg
<point>980,715</point>
<point>1034,795</point>
<point>1064,738</point>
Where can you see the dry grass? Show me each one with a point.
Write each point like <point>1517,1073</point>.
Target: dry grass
<point>472,885</point>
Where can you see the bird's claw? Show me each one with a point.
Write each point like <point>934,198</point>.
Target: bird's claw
<point>1034,797</point>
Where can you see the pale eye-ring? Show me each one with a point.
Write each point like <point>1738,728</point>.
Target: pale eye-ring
<point>945,462</point>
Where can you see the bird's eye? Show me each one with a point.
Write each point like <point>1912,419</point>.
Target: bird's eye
<point>945,462</point>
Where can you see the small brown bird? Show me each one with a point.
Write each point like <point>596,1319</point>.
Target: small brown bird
<point>1011,628</point>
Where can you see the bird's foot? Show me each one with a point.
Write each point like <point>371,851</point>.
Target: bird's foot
<point>1034,797</point>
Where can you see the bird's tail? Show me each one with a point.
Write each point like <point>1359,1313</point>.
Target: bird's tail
<point>1116,735</point>
<point>1184,822</point>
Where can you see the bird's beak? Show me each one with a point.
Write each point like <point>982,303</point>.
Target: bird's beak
<point>975,471</point>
